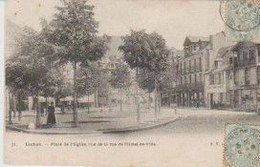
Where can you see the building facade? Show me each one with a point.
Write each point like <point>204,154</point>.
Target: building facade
<point>234,81</point>
<point>199,57</point>
<point>191,67</point>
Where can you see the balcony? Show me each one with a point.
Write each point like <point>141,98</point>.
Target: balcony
<point>244,63</point>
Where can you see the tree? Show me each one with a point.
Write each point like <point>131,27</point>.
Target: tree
<point>27,70</point>
<point>146,82</point>
<point>89,80</point>
<point>145,51</point>
<point>73,31</point>
<point>120,79</point>
<point>136,53</point>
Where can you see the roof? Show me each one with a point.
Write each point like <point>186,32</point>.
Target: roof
<point>245,44</point>
<point>197,38</point>
<point>224,67</point>
<point>223,52</point>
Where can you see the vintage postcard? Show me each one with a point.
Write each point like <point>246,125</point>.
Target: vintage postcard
<point>132,83</point>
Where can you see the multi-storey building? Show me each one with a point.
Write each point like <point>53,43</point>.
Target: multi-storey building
<point>235,79</point>
<point>246,69</point>
<point>199,56</point>
<point>190,71</point>
<point>218,80</point>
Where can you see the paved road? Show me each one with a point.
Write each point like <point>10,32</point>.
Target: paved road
<point>193,141</point>
<point>201,122</point>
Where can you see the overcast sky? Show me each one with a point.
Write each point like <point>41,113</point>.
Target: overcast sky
<point>174,19</point>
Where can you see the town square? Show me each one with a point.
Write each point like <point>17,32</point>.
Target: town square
<point>133,81</point>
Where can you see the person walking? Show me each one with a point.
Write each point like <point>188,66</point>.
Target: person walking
<point>42,110</point>
<point>51,120</point>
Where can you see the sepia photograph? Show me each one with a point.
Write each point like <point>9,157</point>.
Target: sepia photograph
<point>132,83</point>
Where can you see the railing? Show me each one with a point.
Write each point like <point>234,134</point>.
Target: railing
<point>246,62</point>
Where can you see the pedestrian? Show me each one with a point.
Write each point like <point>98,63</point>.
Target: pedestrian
<point>42,110</point>
<point>51,120</point>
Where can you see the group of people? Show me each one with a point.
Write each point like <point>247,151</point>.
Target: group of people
<point>50,111</point>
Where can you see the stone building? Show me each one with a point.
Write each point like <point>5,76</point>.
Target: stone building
<point>218,80</point>
<point>246,69</point>
<point>199,56</point>
<point>234,80</point>
<point>190,87</point>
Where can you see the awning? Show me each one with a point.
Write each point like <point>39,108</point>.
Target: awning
<point>86,99</point>
<point>68,98</point>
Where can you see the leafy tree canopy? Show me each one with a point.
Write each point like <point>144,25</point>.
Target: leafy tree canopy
<point>120,77</point>
<point>73,33</point>
<point>144,50</point>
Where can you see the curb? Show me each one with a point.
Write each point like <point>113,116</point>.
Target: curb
<point>137,128</point>
<point>99,131</point>
<point>50,133</point>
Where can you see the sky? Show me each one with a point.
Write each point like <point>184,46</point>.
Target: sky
<point>173,19</point>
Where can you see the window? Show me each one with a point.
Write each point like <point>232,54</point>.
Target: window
<point>195,79</point>
<point>190,79</point>
<point>216,64</point>
<point>211,79</point>
<point>216,81</point>
<point>207,59</point>
<point>245,57</point>
<point>194,64</point>
<point>252,56</point>
<point>184,67</point>
<point>219,78</point>
<point>247,76</point>
<point>221,98</point>
<point>189,65</point>
<point>258,54</point>
<point>200,64</point>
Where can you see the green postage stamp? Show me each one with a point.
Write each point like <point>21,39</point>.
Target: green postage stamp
<point>242,146</point>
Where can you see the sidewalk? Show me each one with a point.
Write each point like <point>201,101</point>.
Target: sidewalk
<point>97,122</point>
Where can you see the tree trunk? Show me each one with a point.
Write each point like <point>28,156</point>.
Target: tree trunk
<point>38,114</point>
<point>75,114</point>
<point>19,100</point>
<point>159,99</point>
<point>149,103</point>
<point>109,100</point>
<point>10,108</point>
<point>62,108</point>
<point>14,104</point>
<point>96,98</point>
<point>121,100</point>
<point>137,98</point>
<point>155,98</point>
<point>88,103</point>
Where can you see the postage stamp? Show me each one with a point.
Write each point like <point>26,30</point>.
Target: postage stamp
<point>240,15</point>
<point>242,146</point>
